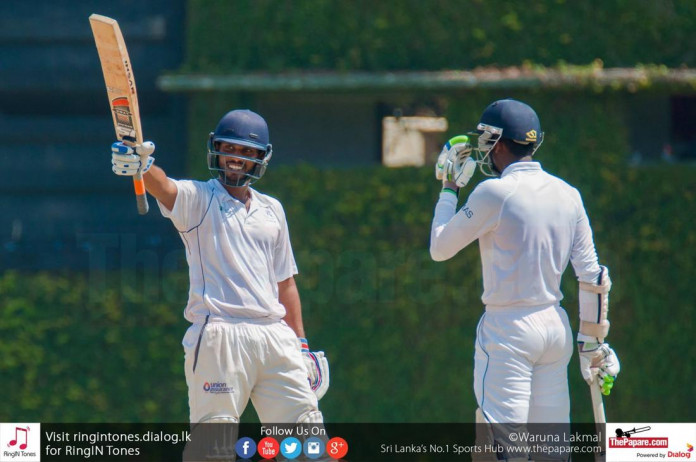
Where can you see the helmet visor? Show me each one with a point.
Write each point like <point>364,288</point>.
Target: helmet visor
<point>488,137</point>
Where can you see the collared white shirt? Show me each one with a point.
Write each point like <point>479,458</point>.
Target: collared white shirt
<point>236,257</point>
<point>529,224</point>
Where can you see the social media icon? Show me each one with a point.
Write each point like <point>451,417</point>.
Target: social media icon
<point>268,448</point>
<point>337,448</point>
<point>291,447</point>
<point>245,447</point>
<point>313,447</point>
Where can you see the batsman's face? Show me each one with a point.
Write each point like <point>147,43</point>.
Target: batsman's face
<point>234,166</point>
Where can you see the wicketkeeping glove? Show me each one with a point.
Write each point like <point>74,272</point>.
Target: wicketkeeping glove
<point>128,161</point>
<point>317,369</point>
<point>454,164</point>
<point>598,361</point>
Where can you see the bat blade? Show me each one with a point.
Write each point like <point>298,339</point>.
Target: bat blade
<point>599,417</point>
<point>120,89</point>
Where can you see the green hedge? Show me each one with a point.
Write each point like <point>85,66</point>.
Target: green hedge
<point>271,35</point>
<point>90,348</point>
<point>397,327</point>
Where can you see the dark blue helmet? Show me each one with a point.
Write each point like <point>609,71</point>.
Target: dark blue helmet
<point>246,128</point>
<point>510,119</point>
<point>517,120</point>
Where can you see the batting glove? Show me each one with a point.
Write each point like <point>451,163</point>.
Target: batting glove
<point>454,164</point>
<point>317,369</point>
<point>128,161</point>
<point>598,361</point>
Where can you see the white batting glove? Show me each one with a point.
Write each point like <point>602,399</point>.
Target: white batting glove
<point>454,164</point>
<point>598,364</point>
<point>441,166</point>
<point>127,161</point>
<point>464,168</point>
<point>317,366</point>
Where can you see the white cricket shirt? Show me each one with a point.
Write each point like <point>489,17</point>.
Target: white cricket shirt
<point>529,225</point>
<point>236,258</point>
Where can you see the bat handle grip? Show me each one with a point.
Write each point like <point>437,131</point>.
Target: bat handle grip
<point>140,194</point>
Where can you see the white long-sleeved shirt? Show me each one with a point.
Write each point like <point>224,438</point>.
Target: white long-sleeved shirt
<point>529,224</point>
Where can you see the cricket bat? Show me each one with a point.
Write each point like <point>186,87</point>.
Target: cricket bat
<point>599,417</point>
<point>120,89</point>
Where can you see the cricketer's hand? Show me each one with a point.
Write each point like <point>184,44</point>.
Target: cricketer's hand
<point>128,161</point>
<point>454,164</point>
<point>317,369</point>
<point>598,360</point>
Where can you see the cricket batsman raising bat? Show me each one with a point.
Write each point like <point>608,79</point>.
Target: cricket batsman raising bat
<point>123,100</point>
<point>246,340</point>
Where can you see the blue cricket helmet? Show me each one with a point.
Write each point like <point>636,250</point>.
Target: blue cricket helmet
<point>510,119</point>
<point>517,120</point>
<point>245,128</point>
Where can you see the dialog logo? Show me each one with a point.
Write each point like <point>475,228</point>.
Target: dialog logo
<point>245,447</point>
<point>290,448</point>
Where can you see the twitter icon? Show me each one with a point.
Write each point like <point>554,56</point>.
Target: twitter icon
<point>291,447</point>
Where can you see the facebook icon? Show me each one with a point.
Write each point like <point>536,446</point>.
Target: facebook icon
<point>245,447</point>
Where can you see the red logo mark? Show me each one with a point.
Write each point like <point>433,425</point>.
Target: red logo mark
<point>268,448</point>
<point>14,441</point>
<point>638,443</point>
<point>337,448</point>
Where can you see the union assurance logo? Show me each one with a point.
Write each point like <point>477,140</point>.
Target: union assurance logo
<point>217,388</point>
<point>20,442</point>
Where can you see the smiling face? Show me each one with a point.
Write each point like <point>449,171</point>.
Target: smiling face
<point>235,165</point>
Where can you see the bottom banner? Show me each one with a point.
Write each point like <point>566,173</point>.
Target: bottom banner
<point>373,442</point>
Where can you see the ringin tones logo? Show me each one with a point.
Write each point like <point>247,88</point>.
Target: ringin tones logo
<point>217,387</point>
<point>20,442</point>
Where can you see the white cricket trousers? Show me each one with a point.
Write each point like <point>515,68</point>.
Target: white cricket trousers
<point>229,361</point>
<point>521,364</point>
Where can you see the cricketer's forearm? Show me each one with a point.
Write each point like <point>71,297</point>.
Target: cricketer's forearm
<point>160,186</point>
<point>289,297</point>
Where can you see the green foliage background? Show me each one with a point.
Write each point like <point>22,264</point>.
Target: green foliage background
<point>397,327</point>
<point>270,35</point>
